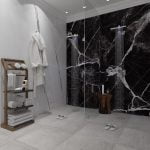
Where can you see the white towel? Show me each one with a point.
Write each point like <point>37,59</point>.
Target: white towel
<point>20,115</point>
<point>15,104</point>
<point>11,81</point>
<point>16,119</point>
<point>38,59</point>
<point>28,102</point>
<point>19,103</point>
<point>12,120</point>
<point>12,104</point>
<point>38,51</point>
<point>19,122</point>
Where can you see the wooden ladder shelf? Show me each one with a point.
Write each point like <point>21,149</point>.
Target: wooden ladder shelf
<point>9,65</point>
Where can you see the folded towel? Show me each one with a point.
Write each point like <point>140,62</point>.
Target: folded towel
<point>19,122</point>
<point>20,115</point>
<point>28,102</point>
<point>11,81</point>
<point>19,104</point>
<point>12,120</point>
<point>15,104</point>
<point>12,104</point>
<point>19,89</point>
<point>16,119</point>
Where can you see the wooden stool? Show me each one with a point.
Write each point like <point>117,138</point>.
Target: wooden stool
<point>104,104</point>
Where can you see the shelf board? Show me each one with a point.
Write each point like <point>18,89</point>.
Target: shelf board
<point>13,91</point>
<point>19,108</point>
<point>21,75</point>
<point>17,69</point>
<point>18,126</point>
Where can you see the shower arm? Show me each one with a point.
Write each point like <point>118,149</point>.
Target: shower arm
<point>71,36</point>
<point>118,27</point>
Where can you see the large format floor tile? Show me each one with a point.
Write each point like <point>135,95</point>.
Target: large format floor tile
<point>85,143</point>
<point>122,147</point>
<point>96,130</point>
<point>16,146</point>
<point>135,138</point>
<point>45,138</point>
<point>80,131</point>
<point>141,123</point>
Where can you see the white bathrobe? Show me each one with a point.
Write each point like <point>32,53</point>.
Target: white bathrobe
<point>38,59</point>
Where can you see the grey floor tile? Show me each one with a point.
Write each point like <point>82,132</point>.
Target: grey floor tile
<point>44,138</point>
<point>84,143</point>
<point>134,138</point>
<point>80,131</point>
<point>122,147</point>
<point>16,146</point>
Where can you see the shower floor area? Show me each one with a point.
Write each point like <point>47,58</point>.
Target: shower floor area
<point>80,131</point>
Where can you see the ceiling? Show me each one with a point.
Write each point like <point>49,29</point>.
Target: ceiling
<point>75,6</point>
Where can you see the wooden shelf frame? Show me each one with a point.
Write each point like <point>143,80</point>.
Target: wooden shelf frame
<point>16,92</point>
<point>18,126</point>
<point>9,65</point>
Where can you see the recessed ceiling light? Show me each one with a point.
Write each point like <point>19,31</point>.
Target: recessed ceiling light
<point>107,0</point>
<point>84,7</point>
<point>66,12</point>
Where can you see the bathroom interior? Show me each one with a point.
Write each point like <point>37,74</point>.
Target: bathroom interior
<point>75,75</point>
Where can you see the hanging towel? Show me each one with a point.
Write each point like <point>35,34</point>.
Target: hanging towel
<point>11,81</point>
<point>38,59</point>
<point>38,51</point>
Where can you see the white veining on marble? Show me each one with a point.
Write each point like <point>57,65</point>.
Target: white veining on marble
<point>117,70</point>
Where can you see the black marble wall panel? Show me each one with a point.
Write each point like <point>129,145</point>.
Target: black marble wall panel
<point>98,59</point>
